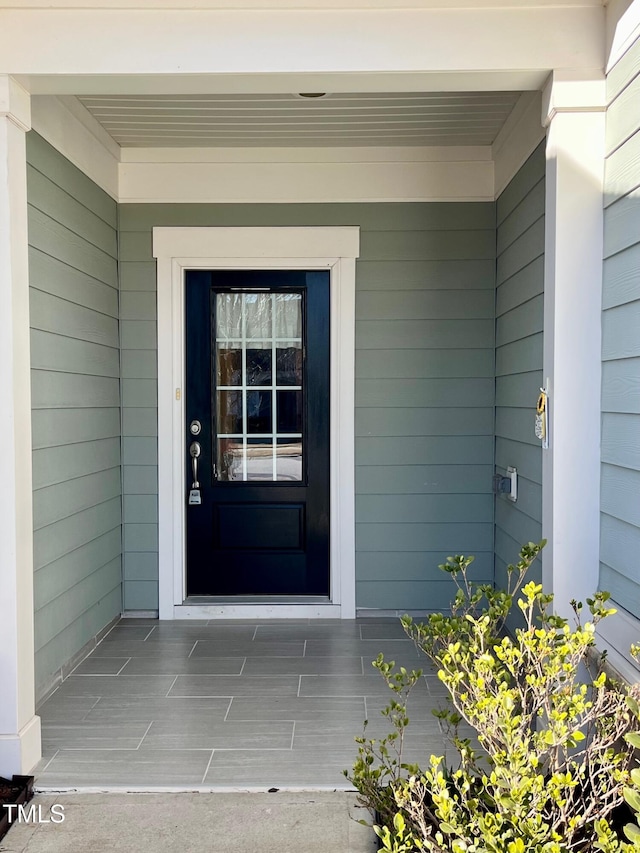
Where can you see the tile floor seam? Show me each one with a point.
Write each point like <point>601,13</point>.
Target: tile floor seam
<point>244,663</point>
<point>50,760</point>
<point>145,734</point>
<point>90,709</point>
<point>192,649</point>
<point>293,733</point>
<point>149,634</point>
<point>171,688</point>
<point>224,719</point>
<point>208,766</point>
<point>102,639</point>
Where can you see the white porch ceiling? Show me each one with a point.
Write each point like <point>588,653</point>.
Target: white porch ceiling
<point>288,120</point>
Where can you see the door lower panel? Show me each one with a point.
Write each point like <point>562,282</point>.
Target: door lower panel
<point>265,527</point>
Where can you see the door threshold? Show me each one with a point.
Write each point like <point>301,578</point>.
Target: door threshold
<point>257,607</point>
<point>257,599</point>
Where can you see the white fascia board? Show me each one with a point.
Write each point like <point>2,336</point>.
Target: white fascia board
<point>246,181</point>
<point>72,131</point>
<point>277,4</point>
<point>310,41</point>
<point>519,136</point>
<point>514,80</point>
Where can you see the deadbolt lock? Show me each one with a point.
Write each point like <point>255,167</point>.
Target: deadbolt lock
<point>195,427</point>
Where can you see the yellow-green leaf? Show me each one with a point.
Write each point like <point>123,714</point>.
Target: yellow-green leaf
<point>632,832</point>
<point>632,798</point>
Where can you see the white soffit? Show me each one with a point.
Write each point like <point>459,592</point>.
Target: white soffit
<point>272,120</point>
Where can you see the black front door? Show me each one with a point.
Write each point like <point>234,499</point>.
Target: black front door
<point>257,425</point>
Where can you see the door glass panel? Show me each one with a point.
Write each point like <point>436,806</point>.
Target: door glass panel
<point>289,411</point>
<point>289,364</point>
<point>288,315</point>
<point>229,364</point>
<point>259,365</point>
<point>259,374</point>
<point>259,459</point>
<point>230,411</point>
<point>229,316</point>
<point>230,458</point>
<point>259,412</point>
<point>258,320</point>
<point>289,459</point>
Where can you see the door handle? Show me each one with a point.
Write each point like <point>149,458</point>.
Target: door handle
<point>195,450</point>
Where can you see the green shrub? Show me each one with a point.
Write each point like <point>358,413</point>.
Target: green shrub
<point>553,737</point>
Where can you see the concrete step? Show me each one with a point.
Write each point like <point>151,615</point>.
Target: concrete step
<point>278,822</point>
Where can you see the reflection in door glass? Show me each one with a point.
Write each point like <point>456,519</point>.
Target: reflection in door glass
<point>259,364</point>
<point>230,455</point>
<point>289,411</point>
<point>258,369</point>
<point>230,411</point>
<point>259,458</point>
<point>229,363</point>
<point>259,418</point>
<point>289,364</point>
<point>289,459</point>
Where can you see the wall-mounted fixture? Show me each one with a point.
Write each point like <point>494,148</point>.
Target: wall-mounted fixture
<point>542,417</point>
<point>507,485</point>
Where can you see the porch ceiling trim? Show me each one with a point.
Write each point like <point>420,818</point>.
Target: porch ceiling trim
<point>267,175</point>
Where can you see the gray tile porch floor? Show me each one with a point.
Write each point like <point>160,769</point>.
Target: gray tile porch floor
<point>246,705</point>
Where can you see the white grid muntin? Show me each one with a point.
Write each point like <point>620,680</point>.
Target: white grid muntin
<point>243,388</point>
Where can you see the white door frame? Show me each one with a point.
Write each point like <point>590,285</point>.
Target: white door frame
<point>179,249</point>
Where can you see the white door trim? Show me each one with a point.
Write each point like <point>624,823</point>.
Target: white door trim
<point>178,249</point>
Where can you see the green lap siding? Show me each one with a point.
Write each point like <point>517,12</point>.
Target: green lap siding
<point>425,352</point>
<point>519,332</point>
<point>620,472</point>
<point>76,408</point>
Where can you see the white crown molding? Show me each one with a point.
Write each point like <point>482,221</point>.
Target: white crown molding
<point>72,131</point>
<point>308,154</point>
<point>519,136</point>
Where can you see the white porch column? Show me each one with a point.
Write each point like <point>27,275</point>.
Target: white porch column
<point>573,110</point>
<point>19,726</point>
